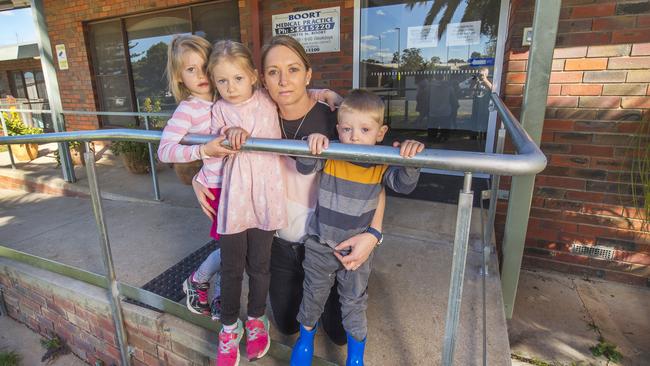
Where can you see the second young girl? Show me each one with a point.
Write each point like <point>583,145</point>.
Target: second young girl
<point>253,204</point>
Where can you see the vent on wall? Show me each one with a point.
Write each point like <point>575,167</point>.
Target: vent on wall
<point>596,251</point>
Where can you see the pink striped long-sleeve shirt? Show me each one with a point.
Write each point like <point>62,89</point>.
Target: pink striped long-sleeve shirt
<point>193,115</point>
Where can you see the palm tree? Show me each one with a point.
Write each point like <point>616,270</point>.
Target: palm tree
<point>485,10</point>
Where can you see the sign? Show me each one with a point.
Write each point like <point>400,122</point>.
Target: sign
<point>61,56</point>
<point>464,34</point>
<point>481,61</point>
<point>422,36</point>
<point>317,30</point>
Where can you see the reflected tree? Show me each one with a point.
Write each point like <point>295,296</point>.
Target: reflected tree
<point>485,10</point>
<point>149,73</point>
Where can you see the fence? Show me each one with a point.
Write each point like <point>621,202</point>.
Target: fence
<point>528,160</point>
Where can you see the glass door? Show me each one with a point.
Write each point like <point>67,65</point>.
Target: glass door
<point>433,63</point>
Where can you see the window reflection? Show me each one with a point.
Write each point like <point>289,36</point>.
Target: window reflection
<point>432,63</point>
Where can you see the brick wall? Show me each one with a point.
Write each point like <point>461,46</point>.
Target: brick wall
<point>598,98</point>
<point>80,314</point>
<point>65,21</point>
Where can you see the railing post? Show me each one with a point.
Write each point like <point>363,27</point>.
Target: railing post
<point>6,133</point>
<point>545,23</point>
<point>52,86</point>
<point>114,292</point>
<point>461,238</point>
<point>494,189</point>
<point>152,161</point>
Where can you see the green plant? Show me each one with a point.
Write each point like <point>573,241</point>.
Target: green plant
<point>136,153</point>
<point>54,347</point>
<point>150,106</point>
<point>16,127</point>
<point>607,350</point>
<point>9,358</point>
<point>73,145</point>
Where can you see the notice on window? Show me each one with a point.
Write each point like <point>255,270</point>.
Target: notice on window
<point>317,30</point>
<point>61,56</point>
<point>464,34</point>
<point>422,36</point>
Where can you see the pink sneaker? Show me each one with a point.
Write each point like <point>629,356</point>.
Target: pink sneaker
<point>257,337</point>
<point>228,352</point>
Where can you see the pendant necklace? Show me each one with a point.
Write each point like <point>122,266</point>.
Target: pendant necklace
<point>284,133</point>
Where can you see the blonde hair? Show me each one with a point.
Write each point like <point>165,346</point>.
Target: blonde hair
<point>288,42</point>
<point>363,101</point>
<point>233,52</point>
<point>175,51</point>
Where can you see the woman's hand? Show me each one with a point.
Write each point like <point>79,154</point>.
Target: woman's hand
<point>203,195</point>
<point>360,246</point>
<point>409,148</point>
<point>332,99</point>
<point>237,137</point>
<point>214,149</point>
<point>317,143</point>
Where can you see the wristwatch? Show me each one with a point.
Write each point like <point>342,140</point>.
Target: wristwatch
<point>376,233</point>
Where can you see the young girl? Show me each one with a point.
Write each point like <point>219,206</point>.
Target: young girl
<point>252,207</point>
<point>189,83</point>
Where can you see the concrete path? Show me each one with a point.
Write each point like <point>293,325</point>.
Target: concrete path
<point>559,317</point>
<point>22,340</point>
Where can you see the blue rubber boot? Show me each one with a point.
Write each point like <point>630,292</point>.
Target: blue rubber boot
<point>303,350</point>
<point>355,351</point>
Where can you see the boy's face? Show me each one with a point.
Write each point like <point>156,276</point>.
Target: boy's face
<point>359,128</point>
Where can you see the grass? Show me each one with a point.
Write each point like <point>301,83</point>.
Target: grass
<point>607,350</point>
<point>9,358</point>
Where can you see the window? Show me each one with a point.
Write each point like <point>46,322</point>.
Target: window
<point>129,55</point>
<point>432,62</point>
<point>18,84</point>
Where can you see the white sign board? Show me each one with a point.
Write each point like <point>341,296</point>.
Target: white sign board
<point>317,30</point>
<point>61,56</point>
<point>463,34</point>
<point>422,36</point>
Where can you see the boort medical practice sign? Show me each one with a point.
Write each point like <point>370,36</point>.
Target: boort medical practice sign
<point>317,30</point>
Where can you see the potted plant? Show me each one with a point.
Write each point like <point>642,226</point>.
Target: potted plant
<point>77,150</point>
<point>135,155</point>
<point>16,127</point>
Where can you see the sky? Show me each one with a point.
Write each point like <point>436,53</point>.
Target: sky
<point>380,26</point>
<point>17,26</point>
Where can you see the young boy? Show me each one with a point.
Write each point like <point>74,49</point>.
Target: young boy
<point>347,200</point>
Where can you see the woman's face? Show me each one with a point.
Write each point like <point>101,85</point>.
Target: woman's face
<point>285,76</point>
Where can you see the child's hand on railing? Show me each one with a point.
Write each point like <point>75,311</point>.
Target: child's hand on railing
<point>237,137</point>
<point>318,143</point>
<point>214,149</point>
<point>409,148</point>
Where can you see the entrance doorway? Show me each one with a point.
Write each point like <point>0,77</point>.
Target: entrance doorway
<point>435,64</point>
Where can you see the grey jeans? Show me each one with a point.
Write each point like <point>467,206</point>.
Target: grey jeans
<point>321,268</point>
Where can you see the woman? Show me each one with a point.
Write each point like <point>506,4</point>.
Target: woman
<point>286,72</point>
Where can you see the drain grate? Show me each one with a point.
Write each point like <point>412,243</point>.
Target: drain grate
<point>596,251</point>
<point>168,283</point>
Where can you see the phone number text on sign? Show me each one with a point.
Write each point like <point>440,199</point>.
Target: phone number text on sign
<point>317,30</point>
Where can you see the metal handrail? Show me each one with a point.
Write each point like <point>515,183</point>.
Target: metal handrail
<point>528,160</point>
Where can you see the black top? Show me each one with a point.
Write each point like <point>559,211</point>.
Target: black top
<point>319,119</point>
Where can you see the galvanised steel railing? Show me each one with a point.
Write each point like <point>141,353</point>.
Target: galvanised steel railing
<point>528,160</point>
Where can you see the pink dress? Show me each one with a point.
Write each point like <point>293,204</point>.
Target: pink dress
<point>253,194</point>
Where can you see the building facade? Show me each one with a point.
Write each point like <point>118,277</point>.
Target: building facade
<point>428,58</point>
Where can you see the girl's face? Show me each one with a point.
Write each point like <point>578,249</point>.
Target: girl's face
<point>194,76</point>
<point>285,76</point>
<point>235,83</point>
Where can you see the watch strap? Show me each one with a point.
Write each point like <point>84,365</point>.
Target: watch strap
<point>376,233</point>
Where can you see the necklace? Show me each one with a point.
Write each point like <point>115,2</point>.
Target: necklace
<point>284,133</point>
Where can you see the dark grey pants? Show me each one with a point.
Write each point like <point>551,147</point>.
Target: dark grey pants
<point>321,269</point>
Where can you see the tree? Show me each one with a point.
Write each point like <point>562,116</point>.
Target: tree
<point>475,55</point>
<point>455,61</point>
<point>149,72</point>
<point>476,9</point>
<point>434,60</point>
<point>412,60</point>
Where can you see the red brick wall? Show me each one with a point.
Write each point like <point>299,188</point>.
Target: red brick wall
<point>598,97</point>
<point>65,20</point>
<point>330,70</point>
<point>80,315</point>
